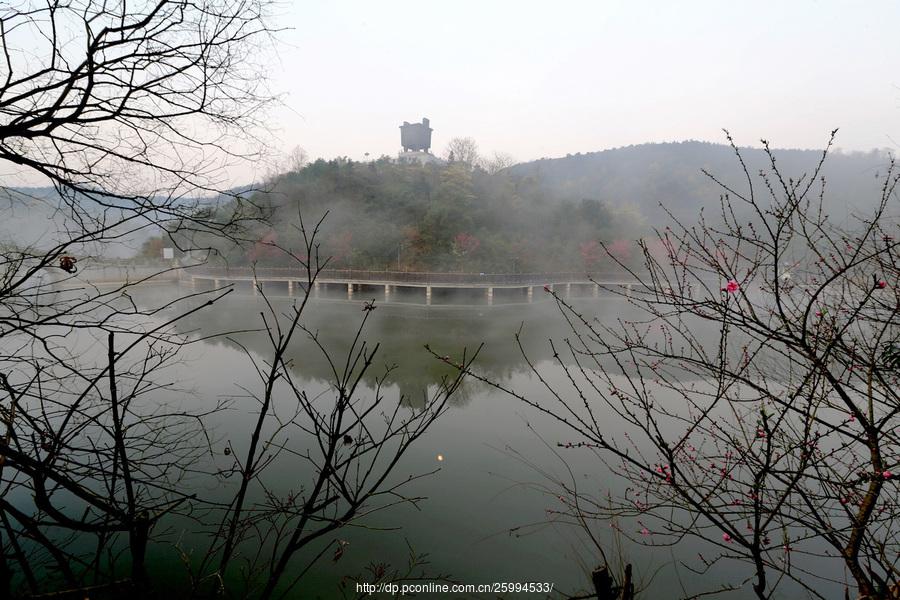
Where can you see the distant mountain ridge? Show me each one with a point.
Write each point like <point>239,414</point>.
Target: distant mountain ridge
<point>671,175</point>
<point>35,217</point>
<point>541,215</point>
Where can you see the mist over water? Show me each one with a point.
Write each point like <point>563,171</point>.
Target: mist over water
<point>298,296</point>
<point>487,510</point>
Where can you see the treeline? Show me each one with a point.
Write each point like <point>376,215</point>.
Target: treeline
<point>669,177</point>
<point>539,216</point>
<point>389,215</point>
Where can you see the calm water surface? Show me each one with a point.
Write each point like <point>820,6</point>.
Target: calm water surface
<point>485,515</point>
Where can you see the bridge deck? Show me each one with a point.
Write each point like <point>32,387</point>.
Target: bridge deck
<point>439,288</point>
<point>434,284</point>
<point>415,279</point>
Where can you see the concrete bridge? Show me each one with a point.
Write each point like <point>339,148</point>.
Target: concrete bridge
<point>409,287</point>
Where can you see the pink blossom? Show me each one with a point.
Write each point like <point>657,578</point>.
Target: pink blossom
<point>731,287</point>
<point>887,474</point>
<point>881,284</point>
<point>645,531</point>
<point>726,538</point>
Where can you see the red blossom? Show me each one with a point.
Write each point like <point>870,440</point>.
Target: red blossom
<point>590,254</point>
<point>465,243</point>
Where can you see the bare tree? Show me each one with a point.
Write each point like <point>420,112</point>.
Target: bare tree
<point>112,95</point>
<point>756,388</point>
<point>82,444</point>
<point>127,110</point>
<point>352,445</point>
<point>498,162</point>
<point>132,111</point>
<point>463,150</point>
<point>297,159</point>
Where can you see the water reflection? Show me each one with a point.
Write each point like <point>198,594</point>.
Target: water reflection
<point>478,501</point>
<point>486,514</point>
<point>403,331</point>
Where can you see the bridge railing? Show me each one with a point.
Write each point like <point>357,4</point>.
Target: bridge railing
<point>415,277</point>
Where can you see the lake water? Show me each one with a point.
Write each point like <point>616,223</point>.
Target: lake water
<point>487,512</point>
<point>484,518</point>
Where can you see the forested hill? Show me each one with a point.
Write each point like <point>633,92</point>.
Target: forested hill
<point>670,174</point>
<point>543,215</point>
<point>389,215</point>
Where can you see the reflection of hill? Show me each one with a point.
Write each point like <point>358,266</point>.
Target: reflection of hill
<point>402,333</point>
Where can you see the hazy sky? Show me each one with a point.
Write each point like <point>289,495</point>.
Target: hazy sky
<point>548,78</point>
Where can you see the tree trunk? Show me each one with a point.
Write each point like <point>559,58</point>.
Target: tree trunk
<point>606,587</point>
<point>628,585</point>
<point>603,584</point>
<point>137,539</point>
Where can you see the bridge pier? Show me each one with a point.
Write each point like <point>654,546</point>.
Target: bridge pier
<point>568,290</point>
<point>530,294</point>
<point>215,283</point>
<point>349,291</point>
<point>428,295</point>
<point>255,287</point>
<point>490,296</point>
<point>316,289</point>
<point>290,287</point>
<point>596,290</point>
<point>387,293</point>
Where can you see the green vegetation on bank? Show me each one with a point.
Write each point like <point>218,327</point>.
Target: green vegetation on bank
<point>385,215</point>
<point>539,216</point>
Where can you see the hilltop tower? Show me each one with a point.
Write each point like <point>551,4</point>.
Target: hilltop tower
<point>416,141</point>
<point>416,137</point>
